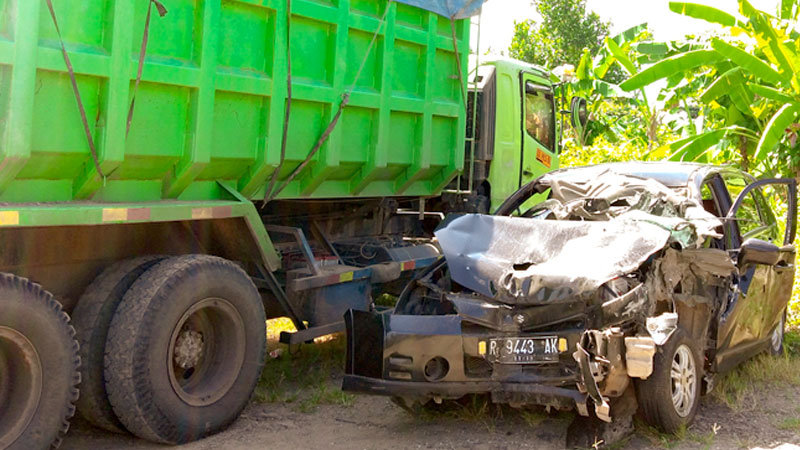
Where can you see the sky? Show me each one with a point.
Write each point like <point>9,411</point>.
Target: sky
<point>497,20</point>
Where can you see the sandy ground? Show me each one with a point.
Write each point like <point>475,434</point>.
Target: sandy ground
<point>375,423</point>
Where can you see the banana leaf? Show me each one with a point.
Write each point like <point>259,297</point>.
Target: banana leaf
<point>749,62</point>
<point>771,93</point>
<point>723,85</point>
<point>652,48</point>
<point>703,12</point>
<point>671,66</point>
<point>776,128</point>
<point>620,55</point>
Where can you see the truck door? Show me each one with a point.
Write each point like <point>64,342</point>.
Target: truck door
<point>539,146</point>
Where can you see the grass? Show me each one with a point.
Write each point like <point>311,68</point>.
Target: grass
<point>790,423</point>
<point>739,388</point>
<point>302,375</point>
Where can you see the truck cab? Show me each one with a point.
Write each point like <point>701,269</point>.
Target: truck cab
<point>512,116</point>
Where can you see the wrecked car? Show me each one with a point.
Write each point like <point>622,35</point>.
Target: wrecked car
<point>604,289</point>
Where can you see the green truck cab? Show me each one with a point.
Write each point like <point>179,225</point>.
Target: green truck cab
<point>174,172</point>
<point>518,138</point>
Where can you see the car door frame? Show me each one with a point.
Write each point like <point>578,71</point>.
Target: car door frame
<point>727,358</point>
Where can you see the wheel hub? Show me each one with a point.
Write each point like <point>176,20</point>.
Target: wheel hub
<point>188,348</point>
<point>684,381</point>
<point>206,351</point>
<point>20,384</point>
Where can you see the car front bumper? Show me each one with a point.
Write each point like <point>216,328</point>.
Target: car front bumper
<point>391,355</point>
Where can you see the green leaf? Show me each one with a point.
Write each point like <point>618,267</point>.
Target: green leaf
<point>583,72</point>
<point>630,34</point>
<point>747,10</point>
<point>697,145</point>
<point>741,99</point>
<point>788,10</point>
<point>608,90</point>
<point>601,66</point>
<point>749,62</point>
<point>671,66</point>
<point>703,12</point>
<point>771,93</point>
<point>722,85</point>
<point>623,59</point>
<point>652,48</point>
<point>776,129</point>
<point>784,58</point>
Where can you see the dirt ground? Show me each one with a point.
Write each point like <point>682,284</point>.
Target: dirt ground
<point>770,419</point>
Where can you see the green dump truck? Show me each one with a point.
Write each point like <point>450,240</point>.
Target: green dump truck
<point>173,173</point>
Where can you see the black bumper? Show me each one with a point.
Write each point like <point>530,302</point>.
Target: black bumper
<point>455,389</point>
<point>386,355</point>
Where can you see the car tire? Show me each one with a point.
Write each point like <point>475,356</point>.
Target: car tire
<point>669,397</point>
<point>92,319</point>
<point>776,337</point>
<point>185,349</point>
<point>38,366</point>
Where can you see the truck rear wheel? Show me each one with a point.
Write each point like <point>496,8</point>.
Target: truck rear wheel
<point>38,366</point>
<point>185,349</point>
<point>92,318</point>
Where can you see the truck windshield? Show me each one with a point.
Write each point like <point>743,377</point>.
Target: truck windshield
<point>539,114</point>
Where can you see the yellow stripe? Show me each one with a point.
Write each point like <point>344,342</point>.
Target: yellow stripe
<point>115,214</point>
<point>202,213</point>
<point>346,277</point>
<point>9,218</point>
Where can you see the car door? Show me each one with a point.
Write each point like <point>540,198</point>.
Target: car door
<point>761,291</point>
<point>756,220</point>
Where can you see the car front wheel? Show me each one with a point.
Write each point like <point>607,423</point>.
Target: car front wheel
<point>669,398</point>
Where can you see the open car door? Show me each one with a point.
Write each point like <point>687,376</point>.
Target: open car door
<point>777,258</point>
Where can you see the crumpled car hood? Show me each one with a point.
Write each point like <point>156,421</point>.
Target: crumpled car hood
<point>519,261</point>
<point>535,261</point>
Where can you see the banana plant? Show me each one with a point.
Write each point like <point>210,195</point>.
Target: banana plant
<point>746,81</point>
<point>611,108</point>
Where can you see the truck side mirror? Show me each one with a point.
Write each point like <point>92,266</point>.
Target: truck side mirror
<point>579,113</point>
<point>756,251</point>
<point>579,116</point>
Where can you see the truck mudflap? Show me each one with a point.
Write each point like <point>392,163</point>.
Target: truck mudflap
<point>420,358</point>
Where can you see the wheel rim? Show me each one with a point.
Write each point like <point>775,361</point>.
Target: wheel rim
<point>206,351</point>
<point>684,381</point>
<point>777,337</point>
<point>20,384</point>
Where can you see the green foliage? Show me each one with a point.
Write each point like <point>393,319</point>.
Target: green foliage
<point>565,31</point>
<point>738,93</point>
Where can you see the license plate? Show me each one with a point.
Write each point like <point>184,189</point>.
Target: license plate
<point>518,350</point>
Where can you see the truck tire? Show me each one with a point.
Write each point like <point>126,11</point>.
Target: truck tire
<point>185,349</point>
<point>38,366</point>
<point>669,398</point>
<point>91,319</point>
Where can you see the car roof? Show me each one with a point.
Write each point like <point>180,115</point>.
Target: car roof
<point>669,173</point>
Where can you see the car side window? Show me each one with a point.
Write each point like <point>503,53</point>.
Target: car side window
<point>539,114</point>
<point>754,218</point>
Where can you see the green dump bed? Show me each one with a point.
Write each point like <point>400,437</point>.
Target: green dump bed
<point>210,106</point>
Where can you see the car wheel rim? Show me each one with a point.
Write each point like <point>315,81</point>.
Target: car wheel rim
<point>20,384</point>
<point>777,337</point>
<point>206,351</point>
<point>684,381</point>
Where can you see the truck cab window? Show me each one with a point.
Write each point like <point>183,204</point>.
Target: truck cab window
<point>539,116</point>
